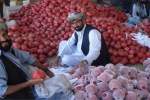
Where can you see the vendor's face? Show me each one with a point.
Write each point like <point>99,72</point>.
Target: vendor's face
<point>78,25</point>
<point>5,41</point>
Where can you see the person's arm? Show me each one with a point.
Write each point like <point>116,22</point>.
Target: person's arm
<point>27,58</point>
<point>24,57</point>
<point>14,88</point>
<point>6,89</point>
<point>70,42</point>
<point>64,49</point>
<point>94,46</point>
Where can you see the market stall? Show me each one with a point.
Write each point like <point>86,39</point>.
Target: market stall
<point>42,25</point>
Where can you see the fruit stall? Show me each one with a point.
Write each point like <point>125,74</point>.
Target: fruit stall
<point>42,25</point>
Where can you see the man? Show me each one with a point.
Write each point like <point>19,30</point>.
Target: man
<point>15,80</point>
<point>86,45</point>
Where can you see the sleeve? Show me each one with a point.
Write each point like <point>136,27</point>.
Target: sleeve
<point>3,81</point>
<point>67,46</point>
<point>24,57</point>
<point>95,46</point>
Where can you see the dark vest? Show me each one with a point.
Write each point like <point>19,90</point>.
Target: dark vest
<point>16,76</point>
<point>7,2</point>
<point>104,57</point>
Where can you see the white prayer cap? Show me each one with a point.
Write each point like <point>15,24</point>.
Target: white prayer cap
<point>75,15</point>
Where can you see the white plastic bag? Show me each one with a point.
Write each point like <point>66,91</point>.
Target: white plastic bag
<point>140,38</point>
<point>41,90</point>
<point>62,70</point>
<point>57,84</point>
<point>146,62</point>
<point>51,86</point>
<point>6,12</point>
<point>26,2</point>
<point>11,23</point>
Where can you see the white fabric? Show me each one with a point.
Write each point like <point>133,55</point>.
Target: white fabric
<point>6,12</point>
<point>76,55</point>
<point>142,39</point>
<point>71,60</point>
<point>69,57</point>
<point>12,3</point>
<point>65,48</point>
<point>137,9</point>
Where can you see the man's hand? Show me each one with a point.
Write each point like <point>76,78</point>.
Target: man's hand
<point>82,64</point>
<point>34,82</point>
<point>72,71</point>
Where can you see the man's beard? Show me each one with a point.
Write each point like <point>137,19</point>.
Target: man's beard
<point>7,47</point>
<point>79,28</point>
